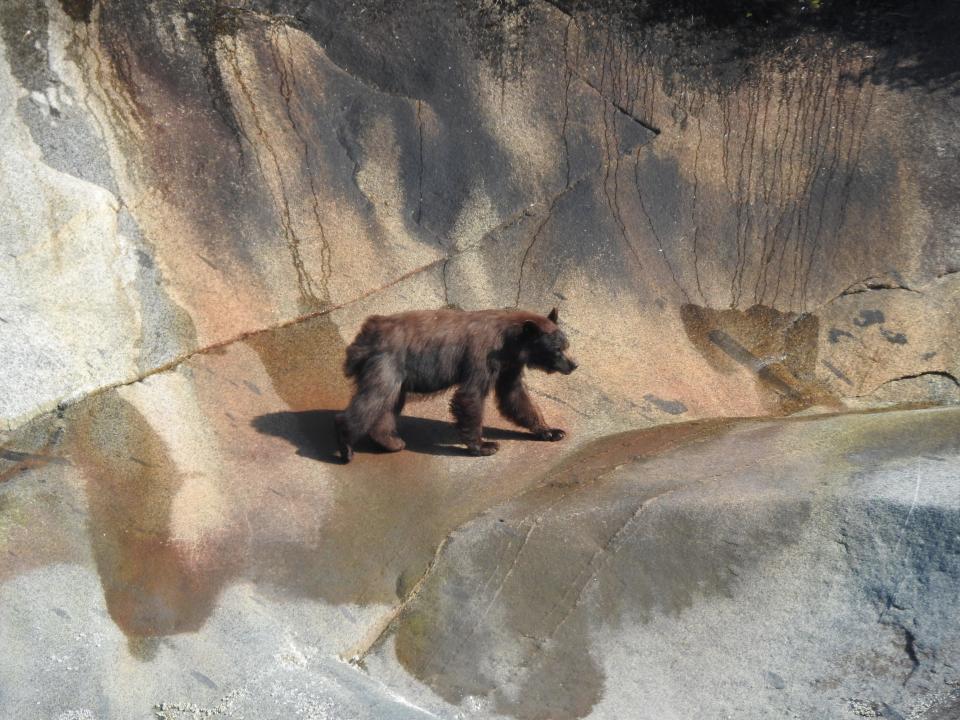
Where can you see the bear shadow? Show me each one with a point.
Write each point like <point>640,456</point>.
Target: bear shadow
<point>314,435</point>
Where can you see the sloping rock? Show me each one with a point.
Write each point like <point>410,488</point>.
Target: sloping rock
<point>739,216</point>
<point>760,568</point>
<point>181,177</point>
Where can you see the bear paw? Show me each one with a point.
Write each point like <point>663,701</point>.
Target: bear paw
<point>484,448</point>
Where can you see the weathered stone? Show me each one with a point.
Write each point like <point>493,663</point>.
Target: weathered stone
<point>711,559</point>
<point>737,215</point>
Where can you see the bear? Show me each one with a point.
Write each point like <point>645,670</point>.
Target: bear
<point>428,351</point>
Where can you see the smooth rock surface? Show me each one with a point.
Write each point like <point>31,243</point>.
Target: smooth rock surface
<point>760,567</point>
<point>741,219</point>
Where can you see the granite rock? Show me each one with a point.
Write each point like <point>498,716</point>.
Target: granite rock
<point>749,225</point>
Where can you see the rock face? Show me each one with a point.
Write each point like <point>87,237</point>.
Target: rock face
<point>706,577</point>
<point>739,216</point>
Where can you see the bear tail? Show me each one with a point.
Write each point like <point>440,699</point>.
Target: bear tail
<point>362,348</point>
<point>357,355</point>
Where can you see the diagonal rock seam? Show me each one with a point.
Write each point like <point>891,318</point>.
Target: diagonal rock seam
<point>611,546</point>
<point>383,629</point>
<point>175,362</point>
<point>180,359</point>
<point>509,222</point>
<point>571,19</point>
<point>618,106</point>
<point>380,630</point>
<point>272,21</point>
<point>546,218</point>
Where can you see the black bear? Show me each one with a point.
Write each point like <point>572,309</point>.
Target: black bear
<point>429,351</point>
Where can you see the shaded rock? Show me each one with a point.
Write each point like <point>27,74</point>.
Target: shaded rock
<point>587,596</point>
<point>739,213</point>
<point>277,160</point>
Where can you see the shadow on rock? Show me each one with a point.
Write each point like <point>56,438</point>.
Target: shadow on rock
<point>312,431</point>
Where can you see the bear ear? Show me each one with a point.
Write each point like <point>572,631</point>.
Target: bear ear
<point>553,316</point>
<point>531,329</point>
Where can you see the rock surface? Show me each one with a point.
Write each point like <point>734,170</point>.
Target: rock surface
<point>201,203</point>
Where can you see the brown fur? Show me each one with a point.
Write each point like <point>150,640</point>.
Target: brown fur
<point>430,351</point>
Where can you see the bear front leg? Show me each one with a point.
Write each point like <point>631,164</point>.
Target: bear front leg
<point>467,409</point>
<point>516,405</point>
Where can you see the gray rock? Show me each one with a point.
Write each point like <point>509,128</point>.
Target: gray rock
<point>739,217</point>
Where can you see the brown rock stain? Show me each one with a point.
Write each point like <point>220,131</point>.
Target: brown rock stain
<point>778,348</point>
<point>387,513</point>
<point>304,362</point>
<point>606,453</point>
<point>33,465</point>
<point>153,584</point>
<point>32,447</point>
<point>376,525</point>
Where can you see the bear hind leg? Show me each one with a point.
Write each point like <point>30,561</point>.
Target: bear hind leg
<point>372,408</point>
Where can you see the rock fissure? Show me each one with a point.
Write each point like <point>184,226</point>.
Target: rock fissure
<point>273,167</point>
<point>382,629</point>
<point>539,229</point>
<point>179,360</point>
<point>280,195</point>
<point>910,376</point>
